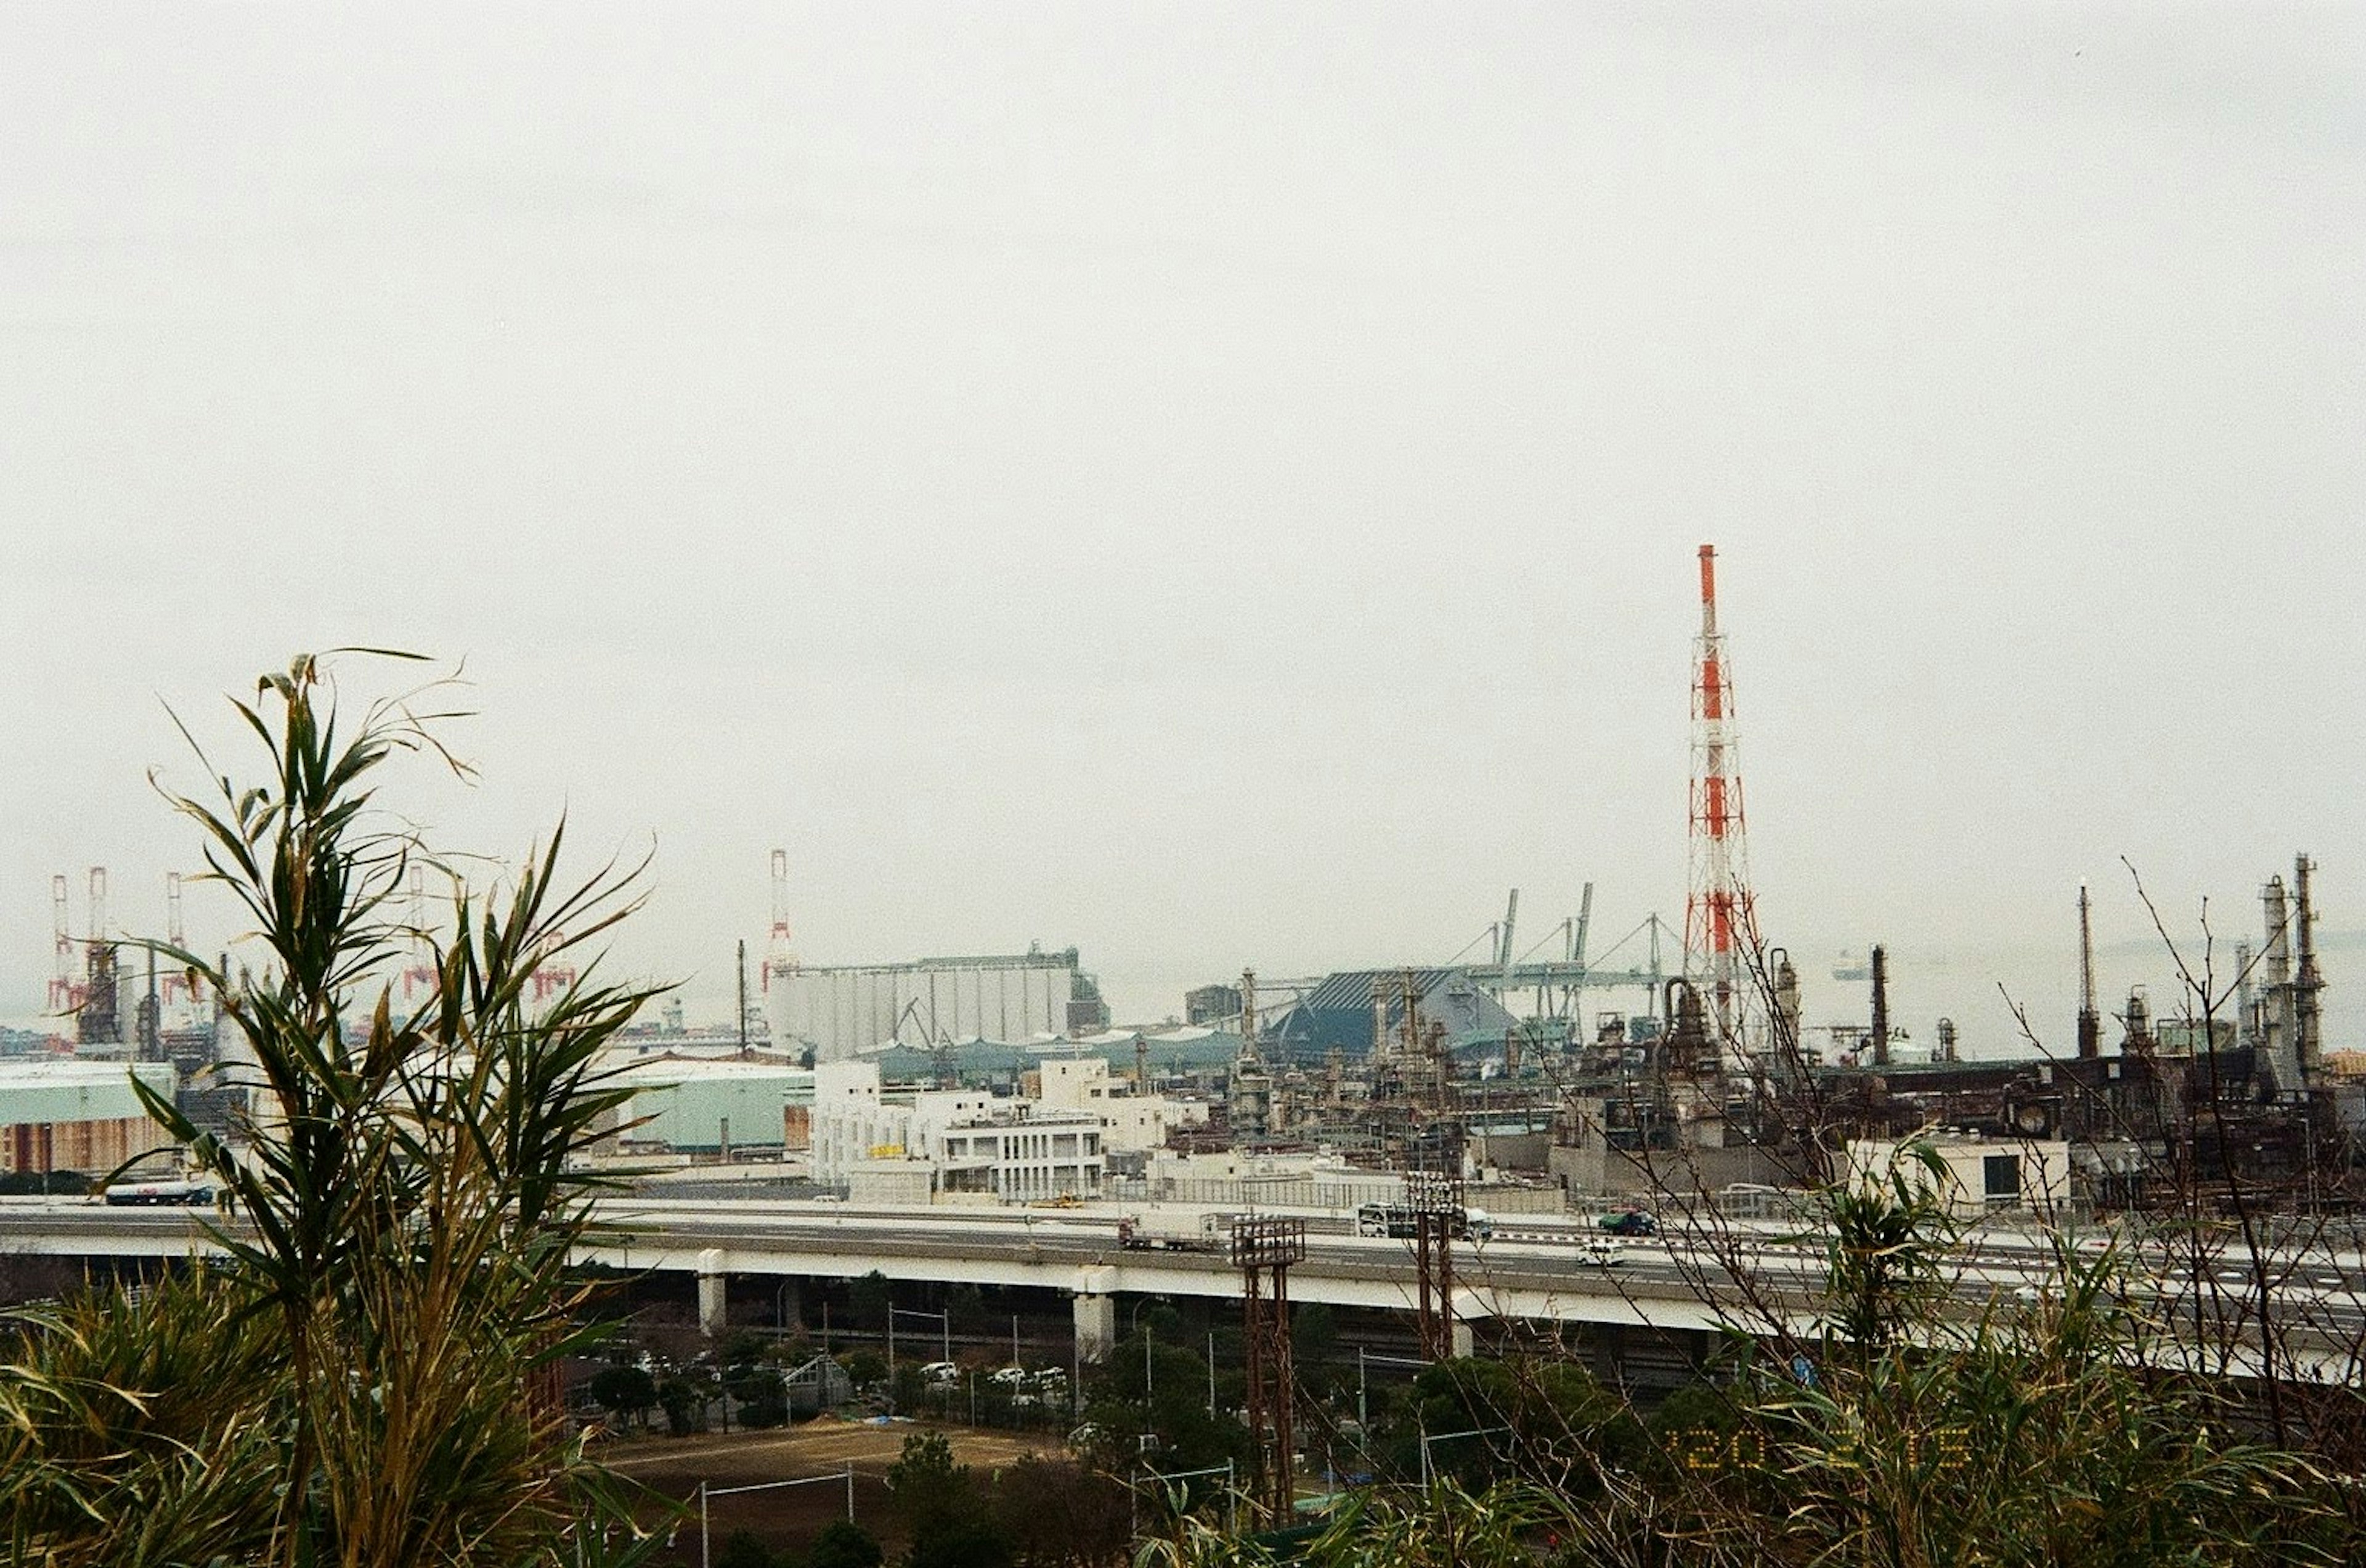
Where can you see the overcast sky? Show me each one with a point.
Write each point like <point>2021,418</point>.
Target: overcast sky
<point>1212,485</point>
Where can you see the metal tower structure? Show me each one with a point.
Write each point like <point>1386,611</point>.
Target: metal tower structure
<point>420,976</point>
<point>1720,919</point>
<point>2309,982</point>
<point>1880,1005</point>
<point>1431,1159</point>
<point>2279,1028</point>
<point>63,994</point>
<point>1263,1247</point>
<point>184,986</point>
<point>778,953</point>
<point>2090,1022</point>
<point>98,1021</point>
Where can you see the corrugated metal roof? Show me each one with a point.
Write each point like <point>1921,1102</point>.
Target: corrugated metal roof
<point>1183,1050</point>
<point>32,1093</point>
<point>1337,1014</point>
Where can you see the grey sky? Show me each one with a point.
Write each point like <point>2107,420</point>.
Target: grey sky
<point>1213,485</point>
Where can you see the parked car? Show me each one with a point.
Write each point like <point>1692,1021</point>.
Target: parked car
<point>941,1374</point>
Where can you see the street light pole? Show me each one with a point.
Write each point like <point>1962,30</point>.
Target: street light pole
<point>1136,1324</point>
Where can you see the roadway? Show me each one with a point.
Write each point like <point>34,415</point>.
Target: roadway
<point>1532,1268</point>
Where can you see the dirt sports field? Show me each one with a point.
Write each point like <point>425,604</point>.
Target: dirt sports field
<point>791,1515</point>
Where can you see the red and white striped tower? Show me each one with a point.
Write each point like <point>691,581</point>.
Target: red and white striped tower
<point>1721,919</point>
<point>779,953</point>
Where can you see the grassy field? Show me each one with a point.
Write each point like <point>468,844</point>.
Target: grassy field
<point>671,1468</point>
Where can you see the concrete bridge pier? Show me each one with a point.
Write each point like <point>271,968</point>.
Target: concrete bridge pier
<point>714,1282</point>
<point>1463,1342</point>
<point>1096,1307</point>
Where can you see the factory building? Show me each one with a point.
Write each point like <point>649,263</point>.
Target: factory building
<point>1161,1053</point>
<point>915,1146</point>
<point>840,1012</point>
<point>1982,1174</point>
<point>708,1106</point>
<point>77,1115</point>
<point>1131,1122</point>
<point>1353,1011</point>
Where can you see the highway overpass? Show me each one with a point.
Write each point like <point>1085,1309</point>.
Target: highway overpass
<point>1533,1270</point>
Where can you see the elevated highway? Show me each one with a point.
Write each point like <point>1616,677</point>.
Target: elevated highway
<point>1533,1271</point>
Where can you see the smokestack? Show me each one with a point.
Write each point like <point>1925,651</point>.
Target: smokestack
<point>2307,1040</point>
<point>1880,1006</point>
<point>2282,1027</point>
<point>1248,1015</point>
<point>1786,997</point>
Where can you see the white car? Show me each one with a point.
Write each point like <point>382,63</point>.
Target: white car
<point>1600,1253</point>
<point>940,1373</point>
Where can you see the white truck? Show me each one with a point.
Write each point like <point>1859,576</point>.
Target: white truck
<point>1156,1231</point>
<point>178,1189</point>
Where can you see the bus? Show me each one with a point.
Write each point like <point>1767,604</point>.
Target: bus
<point>1400,1221</point>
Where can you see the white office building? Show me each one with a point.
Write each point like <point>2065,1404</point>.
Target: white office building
<point>1131,1122</point>
<point>968,1142</point>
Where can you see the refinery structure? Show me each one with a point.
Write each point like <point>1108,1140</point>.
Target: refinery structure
<point>1681,1061</point>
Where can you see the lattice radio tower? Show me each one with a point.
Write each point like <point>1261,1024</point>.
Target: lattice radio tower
<point>1720,916</point>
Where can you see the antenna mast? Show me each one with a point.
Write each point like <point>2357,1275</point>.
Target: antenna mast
<point>1720,916</point>
<point>2090,1022</point>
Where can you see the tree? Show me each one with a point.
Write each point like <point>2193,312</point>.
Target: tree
<point>870,1299</point>
<point>1539,1417</point>
<point>760,1393</point>
<point>1174,1408</point>
<point>625,1391</point>
<point>742,1349</point>
<point>1057,1514</point>
<point>745,1549</point>
<point>842,1544</point>
<point>965,1306</point>
<point>683,1400</point>
<point>371,1378</point>
<point>963,1544</point>
<point>932,1493</point>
